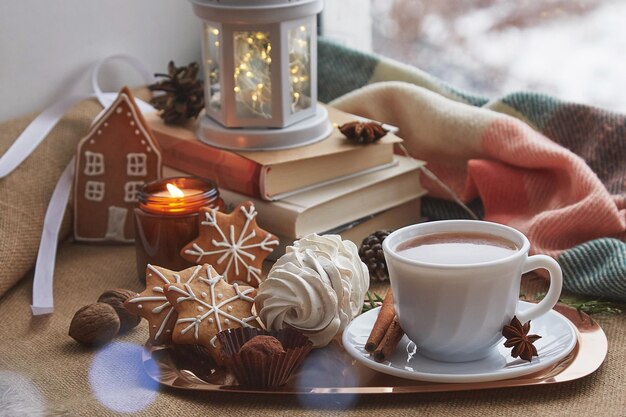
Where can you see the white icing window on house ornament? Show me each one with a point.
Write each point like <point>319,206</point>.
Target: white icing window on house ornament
<point>94,163</point>
<point>94,190</point>
<point>136,164</point>
<point>131,191</point>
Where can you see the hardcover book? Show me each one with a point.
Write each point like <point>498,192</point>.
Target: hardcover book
<point>273,175</point>
<point>392,219</point>
<point>333,205</point>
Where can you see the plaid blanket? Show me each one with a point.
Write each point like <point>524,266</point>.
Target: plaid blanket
<point>552,169</point>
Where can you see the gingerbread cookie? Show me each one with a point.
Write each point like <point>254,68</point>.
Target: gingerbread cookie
<point>116,158</point>
<point>206,305</point>
<point>152,304</point>
<point>233,243</point>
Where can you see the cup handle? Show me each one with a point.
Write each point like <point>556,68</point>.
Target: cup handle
<point>556,284</point>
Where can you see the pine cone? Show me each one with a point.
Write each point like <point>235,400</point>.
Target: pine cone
<point>371,253</point>
<point>363,132</point>
<point>184,93</point>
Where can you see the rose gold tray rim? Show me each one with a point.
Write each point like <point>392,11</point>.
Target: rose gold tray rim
<point>588,355</point>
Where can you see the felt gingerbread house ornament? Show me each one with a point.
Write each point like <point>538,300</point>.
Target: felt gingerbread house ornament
<point>116,158</point>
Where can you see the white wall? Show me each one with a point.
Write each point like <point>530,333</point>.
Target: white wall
<point>47,46</point>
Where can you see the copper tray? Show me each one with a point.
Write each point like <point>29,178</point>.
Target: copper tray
<point>332,371</point>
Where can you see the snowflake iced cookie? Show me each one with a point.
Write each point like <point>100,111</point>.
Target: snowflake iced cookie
<point>206,304</point>
<point>233,243</point>
<point>152,304</point>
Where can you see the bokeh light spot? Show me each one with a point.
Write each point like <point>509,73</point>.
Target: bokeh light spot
<point>118,379</point>
<point>19,396</point>
<point>326,368</point>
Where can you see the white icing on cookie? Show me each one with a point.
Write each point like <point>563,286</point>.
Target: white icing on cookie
<point>234,249</point>
<point>214,307</point>
<point>165,304</point>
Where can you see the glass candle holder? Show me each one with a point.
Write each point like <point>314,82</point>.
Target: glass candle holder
<point>166,219</point>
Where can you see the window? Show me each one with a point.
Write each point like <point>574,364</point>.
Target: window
<point>94,163</point>
<point>136,164</point>
<point>94,190</point>
<point>131,191</point>
<point>349,22</point>
<point>569,49</point>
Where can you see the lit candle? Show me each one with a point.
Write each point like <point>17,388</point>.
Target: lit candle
<point>172,200</point>
<point>166,219</point>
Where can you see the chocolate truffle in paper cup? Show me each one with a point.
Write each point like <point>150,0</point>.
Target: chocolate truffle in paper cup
<point>260,358</point>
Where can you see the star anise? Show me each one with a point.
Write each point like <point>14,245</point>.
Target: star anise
<point>184,94</point>
<point>363,132</point>
<point>518,338</point>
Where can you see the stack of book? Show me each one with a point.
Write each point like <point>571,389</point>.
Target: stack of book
<point>333,186</point>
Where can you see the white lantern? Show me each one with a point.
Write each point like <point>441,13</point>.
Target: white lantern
<point>260,72</point>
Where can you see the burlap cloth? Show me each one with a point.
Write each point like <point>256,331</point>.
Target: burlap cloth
<point>44,372</point>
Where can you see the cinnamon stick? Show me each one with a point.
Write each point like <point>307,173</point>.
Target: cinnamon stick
<point>390,341</point>
<point>383,321</point>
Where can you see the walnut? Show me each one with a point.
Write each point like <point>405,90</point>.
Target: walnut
<point>95,324</point>
<point>116,298</point>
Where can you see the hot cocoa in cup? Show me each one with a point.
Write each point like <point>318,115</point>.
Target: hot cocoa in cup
<point>456,284</point>
<point>456,248</point>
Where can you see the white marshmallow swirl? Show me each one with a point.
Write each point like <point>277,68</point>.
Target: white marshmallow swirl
<point>317,287</point>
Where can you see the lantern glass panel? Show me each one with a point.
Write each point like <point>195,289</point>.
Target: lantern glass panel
<point>299,44</point>
<point>253,85</point>
<point>211,53</point>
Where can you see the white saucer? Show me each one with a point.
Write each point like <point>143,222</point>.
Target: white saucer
<point>558,338</point>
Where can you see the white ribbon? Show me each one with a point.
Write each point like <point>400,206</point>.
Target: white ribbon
<point>35,133</point>
<point>106,99</point>
<point>46,257</point>
<point>26,143</point>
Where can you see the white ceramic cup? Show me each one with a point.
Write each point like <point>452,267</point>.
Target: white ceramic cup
<point>456,312</point>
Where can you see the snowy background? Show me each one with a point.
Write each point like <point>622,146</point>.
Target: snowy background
<point>575,50</point>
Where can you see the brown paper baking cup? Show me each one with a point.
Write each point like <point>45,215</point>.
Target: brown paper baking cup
<point>257,370</point>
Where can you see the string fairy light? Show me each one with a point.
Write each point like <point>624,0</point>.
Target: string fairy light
<point>212,67</point>
<point>252,73</point>
<point>299,67</point>
<point>253,85</point>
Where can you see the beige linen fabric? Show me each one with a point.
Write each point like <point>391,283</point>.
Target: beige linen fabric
<point>44,372</point>
<point>25,193</point>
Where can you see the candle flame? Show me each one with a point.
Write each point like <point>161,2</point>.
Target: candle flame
<point>174,191</point>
